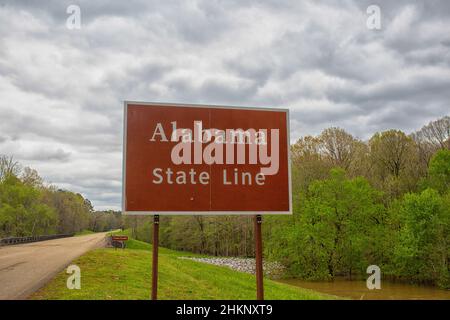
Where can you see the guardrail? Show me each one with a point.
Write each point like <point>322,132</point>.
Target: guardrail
<point>18,240</point>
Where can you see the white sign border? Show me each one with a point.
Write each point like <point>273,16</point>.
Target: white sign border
<point>203,213</point>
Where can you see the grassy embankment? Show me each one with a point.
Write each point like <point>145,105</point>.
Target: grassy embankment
<point>108,274</point>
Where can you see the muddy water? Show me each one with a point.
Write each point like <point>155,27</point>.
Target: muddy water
<point>358,290</point>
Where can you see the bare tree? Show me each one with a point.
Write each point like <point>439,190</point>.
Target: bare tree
<point>432,137</point>
<point>305,147</point>
<point>338,146</point>
<point>391,150</point>
<point>31,177</point>
<point>436,133</point>
<point>8,166</point>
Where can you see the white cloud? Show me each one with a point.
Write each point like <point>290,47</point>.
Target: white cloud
<point>63,90</point>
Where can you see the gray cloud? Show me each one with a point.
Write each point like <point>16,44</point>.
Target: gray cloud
<point>62,90</point>
<point>48,155</point>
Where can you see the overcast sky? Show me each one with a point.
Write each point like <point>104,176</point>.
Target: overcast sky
<point>62,89</point>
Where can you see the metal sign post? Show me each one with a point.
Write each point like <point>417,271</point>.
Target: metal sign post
<point>259,259</point>
<point>155,257</point>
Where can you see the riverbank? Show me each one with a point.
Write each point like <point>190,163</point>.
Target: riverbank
<point>341,286</point>
<point>116,274</point>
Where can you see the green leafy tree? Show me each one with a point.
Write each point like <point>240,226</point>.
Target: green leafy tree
<point>21,211</point>
<point>394,160</point>
<point>439,171</point>
<point>422,249</point>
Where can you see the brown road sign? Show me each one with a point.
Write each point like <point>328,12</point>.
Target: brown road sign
<point>119,238</point>
<point>195,159</point>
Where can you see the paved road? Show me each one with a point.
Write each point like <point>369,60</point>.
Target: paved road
<point>24,268</point>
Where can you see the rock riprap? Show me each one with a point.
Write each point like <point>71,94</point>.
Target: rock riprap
<point>247,265</point>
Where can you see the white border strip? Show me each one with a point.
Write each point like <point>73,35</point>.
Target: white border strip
<point>205,213</point>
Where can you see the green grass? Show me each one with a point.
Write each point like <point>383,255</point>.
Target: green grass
<point>110,274</point>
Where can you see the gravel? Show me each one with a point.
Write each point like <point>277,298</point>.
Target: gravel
<point>247,265</point>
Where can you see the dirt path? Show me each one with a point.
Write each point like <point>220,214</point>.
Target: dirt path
<point>25,268</point>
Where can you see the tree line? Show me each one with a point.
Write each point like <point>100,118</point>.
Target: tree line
<point>385,201</point>
<point>28,207</point>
